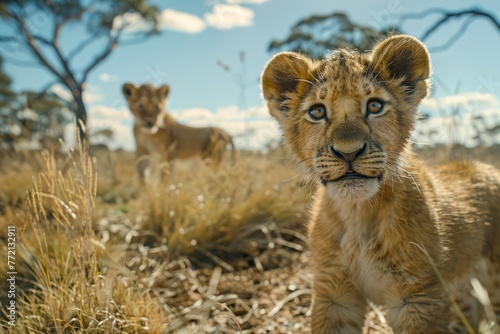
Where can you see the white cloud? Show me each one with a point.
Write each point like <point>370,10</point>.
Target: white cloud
<point>468,101</point>
<point>168,19</point>
<point>222,16</point>
<point>132,22</point>
<point>62,92</point>
<point>461,130</point>
<point>180,21</point>
<point>252,128</point>
<point>224,114</point>
<point>229,16</point>
<point>467,118</point>
<point>258,2</point>
<point>104,113</point>
<point>199,115</point>
<point>106,77</point>
<point>90,94</point>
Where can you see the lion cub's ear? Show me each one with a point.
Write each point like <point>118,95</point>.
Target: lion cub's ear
<point>285,76</point>
<point>129,91</point>
<point>164,90</point>
<point>402,56</point>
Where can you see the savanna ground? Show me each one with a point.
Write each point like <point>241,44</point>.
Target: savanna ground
<point>207,251</point>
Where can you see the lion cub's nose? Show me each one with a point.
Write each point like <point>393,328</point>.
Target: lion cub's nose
<point>348,156</point>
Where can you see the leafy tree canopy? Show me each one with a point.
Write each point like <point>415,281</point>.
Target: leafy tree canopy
<point>318,34</point>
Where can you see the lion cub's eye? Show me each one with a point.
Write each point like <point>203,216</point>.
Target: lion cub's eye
<point>375,106</point>
<point>317,112</point>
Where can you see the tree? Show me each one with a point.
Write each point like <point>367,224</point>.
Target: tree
<point>103,21</point>
<point>33,120</point>
<point>318,34</point>
<point>6,93</point>
<point>44,116</point>
<point>7,97</point>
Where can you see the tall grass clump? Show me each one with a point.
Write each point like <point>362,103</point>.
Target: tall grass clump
<point>215,211</point>
<point>212,214</point>
<point>74,284</point>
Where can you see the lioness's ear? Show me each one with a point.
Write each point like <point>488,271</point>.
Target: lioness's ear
<point>164,90</point>
<point>129,90</point>
<point>401,56</point>
<point>286,75</point>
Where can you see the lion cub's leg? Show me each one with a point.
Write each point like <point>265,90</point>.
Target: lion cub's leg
<point>471,310</point>
<point>492,285</point>
<point>142,165</point>
<point>338,308</point>
<point>487,272</point>
<point>166,171</point>
<point>470,307</point>
<point>494,293</point>
<point>214,151</point>
<point>423,312</point>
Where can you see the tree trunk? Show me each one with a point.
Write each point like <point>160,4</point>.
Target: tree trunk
<point>81,116</point>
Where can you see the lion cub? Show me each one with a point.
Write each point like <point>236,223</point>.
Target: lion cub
<point>159,135</point>
<point>381,219</point>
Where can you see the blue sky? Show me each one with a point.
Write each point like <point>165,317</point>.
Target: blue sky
<point>196,34</point>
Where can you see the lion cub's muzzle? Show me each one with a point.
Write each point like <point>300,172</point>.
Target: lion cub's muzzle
<point>148,123</point>
<point>348,157</point>
<point>358,161</point>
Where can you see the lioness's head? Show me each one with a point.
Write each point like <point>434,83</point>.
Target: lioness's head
<point>146,102</point>
<point>349,117</point>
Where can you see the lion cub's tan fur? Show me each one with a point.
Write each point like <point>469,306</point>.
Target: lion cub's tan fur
<point>157,134</point>
<point>370,231</point>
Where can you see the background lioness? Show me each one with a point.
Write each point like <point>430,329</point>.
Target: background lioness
<point>157,133</point>
<point>382,220</point>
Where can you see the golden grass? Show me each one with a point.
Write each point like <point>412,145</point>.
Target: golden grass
<point>98,254</point>
<point>61,261</point>
<point>104,260</point>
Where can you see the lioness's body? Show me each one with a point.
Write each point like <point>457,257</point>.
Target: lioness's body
<point>384,226</point>
<point>158,135</point>
<point>178,141</point>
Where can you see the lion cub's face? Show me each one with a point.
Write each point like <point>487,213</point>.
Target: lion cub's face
<point>146,103</point>
<point>349,117</point>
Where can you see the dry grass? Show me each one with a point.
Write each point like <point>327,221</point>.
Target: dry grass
<point>208,251</point>
<point>122,258</point>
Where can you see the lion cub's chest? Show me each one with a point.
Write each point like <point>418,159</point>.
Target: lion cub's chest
<point>153,141</point>
<point>362,254</point>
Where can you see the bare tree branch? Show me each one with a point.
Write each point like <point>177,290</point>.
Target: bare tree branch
<point>453,38</point>
<point>59,25</point>
<point>98,60</point>
<point>113,42</point>
<point>79,48</point>
<point>42,39</point>
<point>30,41</point>
<point>8,39</point>
<point>55,46</point>
<point>418,16</point>
<point>446,16</point>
